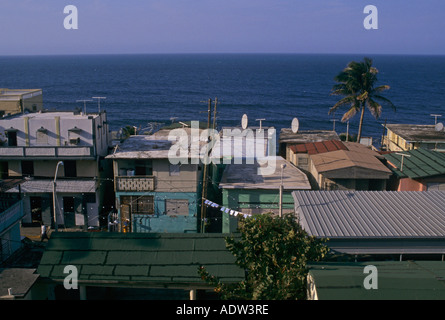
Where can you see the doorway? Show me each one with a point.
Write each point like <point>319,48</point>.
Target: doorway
<point>36,210</point>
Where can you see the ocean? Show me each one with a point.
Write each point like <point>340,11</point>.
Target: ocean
<point>153,88</point>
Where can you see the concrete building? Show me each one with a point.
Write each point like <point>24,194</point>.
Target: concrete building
<point>404,137</point>
<point>33,145</point>
<point>13,101</point>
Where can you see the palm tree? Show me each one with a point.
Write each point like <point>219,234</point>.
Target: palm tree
<point>357,84</point>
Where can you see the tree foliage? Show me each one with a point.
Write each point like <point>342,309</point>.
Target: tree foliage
<point>274,252</point>
<point>357,83</point>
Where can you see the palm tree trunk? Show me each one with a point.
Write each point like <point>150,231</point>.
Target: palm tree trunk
<point>361,123</point>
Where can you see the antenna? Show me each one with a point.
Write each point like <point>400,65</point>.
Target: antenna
<point>295,125</point>
<point>84,105</point>
<point>244,121</point>
<point>183,124</point>
<point>438,127</point>
<point>98,101</point>
<point>435,117</point>
<point>403,157</point>
<point>261,122</point>
<point>333,120</point>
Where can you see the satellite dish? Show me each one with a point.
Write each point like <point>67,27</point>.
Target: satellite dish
<point>439,126</point>
<point>244,121</point>
<point>295,125</point>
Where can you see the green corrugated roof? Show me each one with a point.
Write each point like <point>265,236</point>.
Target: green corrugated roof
<point>418,163</point>
<point>144,259</point>
<point>396,280</point>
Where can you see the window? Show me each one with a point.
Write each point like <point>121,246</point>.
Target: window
<point>139,204</point>
<point>174,169</point>
<point>12,138</point>
<point>302,161</point>
<point>27,168</point>
<point>70,168</point>
<point>143,168</point>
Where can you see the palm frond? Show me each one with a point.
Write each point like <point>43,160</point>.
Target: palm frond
<point>374,107</point>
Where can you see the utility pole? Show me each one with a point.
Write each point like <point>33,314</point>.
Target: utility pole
<point>214,113</point>
<point>204,175</point>
<point>281,191</point>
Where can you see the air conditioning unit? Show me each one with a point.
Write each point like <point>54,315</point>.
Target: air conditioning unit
<point>74,141</point>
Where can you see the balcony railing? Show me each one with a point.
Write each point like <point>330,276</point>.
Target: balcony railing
<point>135,183</point>
<point>47,152</point>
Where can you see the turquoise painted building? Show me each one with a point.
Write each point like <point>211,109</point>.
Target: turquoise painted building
<point>11,213</point>
<point>246,190</point>
<point>153,193</point>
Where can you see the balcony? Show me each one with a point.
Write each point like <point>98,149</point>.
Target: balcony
<point>135,183</point>
<point>47,152</point>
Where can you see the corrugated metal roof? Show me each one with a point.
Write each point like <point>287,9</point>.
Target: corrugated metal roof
<point>318,147</point>
<point>67,186</point>
<point>342,159</point>
<point>371,214</point>
<point>418,163</point>
<point>139,258</point>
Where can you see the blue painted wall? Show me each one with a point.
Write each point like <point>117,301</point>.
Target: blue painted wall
<point>160,221</point>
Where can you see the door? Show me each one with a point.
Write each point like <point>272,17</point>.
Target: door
<point>36,209</point>
<point>68,212</point>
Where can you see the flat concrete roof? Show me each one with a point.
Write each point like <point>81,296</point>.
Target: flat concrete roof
<point>17,94</point>
<point>417,132</point>
<point>18,280</point>
<point>246,176</point>
<point>51,115</point>
<point>305,136</point>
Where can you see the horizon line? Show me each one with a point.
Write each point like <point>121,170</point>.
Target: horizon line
<point>222,53</point>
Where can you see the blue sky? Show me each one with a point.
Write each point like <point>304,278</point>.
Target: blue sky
<point>219,26</point>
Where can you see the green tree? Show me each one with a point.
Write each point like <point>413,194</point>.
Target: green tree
<point>128,131</point>
<point>357,83</point>
<point>273,251</point>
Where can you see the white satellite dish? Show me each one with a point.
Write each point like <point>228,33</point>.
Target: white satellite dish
<point>295,125</point>
<point>244,121</point>
<point>439,126</point>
